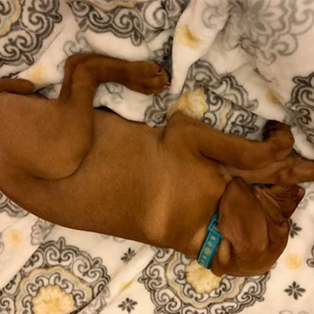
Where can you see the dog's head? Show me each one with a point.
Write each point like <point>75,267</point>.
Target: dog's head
<point>255,225</point>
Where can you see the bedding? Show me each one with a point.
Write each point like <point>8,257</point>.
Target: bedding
<point>234,65</point>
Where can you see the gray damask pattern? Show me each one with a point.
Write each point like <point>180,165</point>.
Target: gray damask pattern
<point>218,88</point>
<point>40,231</point>
<point>26,35</point>
<point>163,56</point>
<point>139,24</point>
<point>77,46</point>
<point>270,28</point>
<point>122,22</point>
<point>155,115</point>
<point>310,261</point>
<point>213,11</point>
<point>295,290</point>
<point>172,294</point>
<point>7,9</point>
<point>58,269</point>
<point>241,122</point>
<point>302,104</point>
<point>98,303</point>
<point>9,207</point>
<point>203,73</point>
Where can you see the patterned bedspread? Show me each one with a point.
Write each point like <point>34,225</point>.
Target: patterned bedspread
<point>234,64</point>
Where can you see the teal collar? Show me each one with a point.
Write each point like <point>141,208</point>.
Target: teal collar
<point>211,243</point>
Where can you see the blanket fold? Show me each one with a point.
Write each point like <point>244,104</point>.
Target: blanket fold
<point>234,65</point>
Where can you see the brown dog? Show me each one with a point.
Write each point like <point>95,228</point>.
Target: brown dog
<point>92,170</point>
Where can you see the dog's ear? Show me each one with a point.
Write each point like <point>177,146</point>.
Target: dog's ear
<point>242,221</point>
<point>16,86</point>
<point>252,241</point>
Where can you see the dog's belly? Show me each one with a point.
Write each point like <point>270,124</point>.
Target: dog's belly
<point>96,187</point>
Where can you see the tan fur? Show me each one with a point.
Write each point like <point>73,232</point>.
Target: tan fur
<point>92,170</point>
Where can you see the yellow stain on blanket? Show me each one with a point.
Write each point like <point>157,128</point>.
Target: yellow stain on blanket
<point>12,19</point>
<point>293,261</point>
<point>37,74</point>
<point>14,237</point>
<point>126,285</point>
<point>272,98</point>
<point>192,103</point>
<point>186,37</point>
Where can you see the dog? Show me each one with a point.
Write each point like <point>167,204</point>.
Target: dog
<point>93,170</point>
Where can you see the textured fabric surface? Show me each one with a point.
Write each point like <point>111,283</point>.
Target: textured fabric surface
<point>234,65</point>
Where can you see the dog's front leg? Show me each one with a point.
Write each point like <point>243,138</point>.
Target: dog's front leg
<point>50,139</point>
<point>16,86</point>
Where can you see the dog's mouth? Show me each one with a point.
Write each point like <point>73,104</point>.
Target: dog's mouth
<point>280,194</point>
<point>286,199</point>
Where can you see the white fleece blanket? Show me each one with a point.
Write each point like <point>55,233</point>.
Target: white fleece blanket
<point>234,64</point>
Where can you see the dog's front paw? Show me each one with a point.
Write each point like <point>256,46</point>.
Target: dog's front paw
<point>147,77</point>
<point>280,136</point>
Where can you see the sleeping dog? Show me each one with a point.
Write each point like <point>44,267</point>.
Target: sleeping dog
<point>92,170</point>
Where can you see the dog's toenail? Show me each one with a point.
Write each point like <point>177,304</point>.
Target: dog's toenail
<point>301,191</point>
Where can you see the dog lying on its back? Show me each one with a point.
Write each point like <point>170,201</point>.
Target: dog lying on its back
<point>92,170</point>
